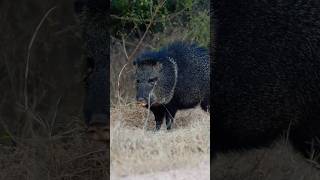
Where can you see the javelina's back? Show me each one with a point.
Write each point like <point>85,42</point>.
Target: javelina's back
<point>193,72</point>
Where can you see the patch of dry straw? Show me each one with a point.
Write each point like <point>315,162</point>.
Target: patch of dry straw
<point>138,151</point>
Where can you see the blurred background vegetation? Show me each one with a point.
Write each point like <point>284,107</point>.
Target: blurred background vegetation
<point>55,68</point>
<point>186,20</point>
<point>43,136</point>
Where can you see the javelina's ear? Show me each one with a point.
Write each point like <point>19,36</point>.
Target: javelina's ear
<point>157,66</point>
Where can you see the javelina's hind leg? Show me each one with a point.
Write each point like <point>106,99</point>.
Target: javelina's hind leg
<point>205,105</point>
<point>159,113</point>
<point>170,113</point>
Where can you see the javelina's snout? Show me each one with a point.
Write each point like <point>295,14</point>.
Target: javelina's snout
<point>142,97</point>
<point>98,129</point>
<point>98,132</point>
<point>142,102</point>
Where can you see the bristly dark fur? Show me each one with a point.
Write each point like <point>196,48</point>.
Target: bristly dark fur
<point>173,49</point>
<point>183,79</point>
<point>266,80</point>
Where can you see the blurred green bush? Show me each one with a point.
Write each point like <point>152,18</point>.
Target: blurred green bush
<point>130,18</point>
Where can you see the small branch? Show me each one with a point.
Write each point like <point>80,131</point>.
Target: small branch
<point>145,33</point>
<point>132,19</point>
<point>124,47</point>
<point>54,116</point>
<point>26,74</point>
<point>148,116</point>
<point>119,77</point>
<point>132,44</point>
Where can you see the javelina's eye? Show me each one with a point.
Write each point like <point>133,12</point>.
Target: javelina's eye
<point>138,81</point>
<point>152,80</point>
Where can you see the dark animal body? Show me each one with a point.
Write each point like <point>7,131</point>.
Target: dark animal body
<point>173,78</point>
<point>266,80</point>
<point>92,15</point>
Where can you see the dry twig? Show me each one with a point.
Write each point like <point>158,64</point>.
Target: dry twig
<point>26,74</point>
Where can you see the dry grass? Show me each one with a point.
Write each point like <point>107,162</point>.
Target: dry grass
<point>41,105</point>
<point>48,127</point>
<point>137,151</point>
<point>69,157</point>
<point>279,162</point>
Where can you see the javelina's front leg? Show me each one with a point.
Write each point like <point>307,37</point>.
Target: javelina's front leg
<point>159,115</point>
<point>170,113</point>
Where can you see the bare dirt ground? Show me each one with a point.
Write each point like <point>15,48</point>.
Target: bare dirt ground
<point>182,153</point>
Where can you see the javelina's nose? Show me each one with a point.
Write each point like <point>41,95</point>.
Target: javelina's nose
<point>141,102</point>
<point>99,132</point>
<point>98,128</point>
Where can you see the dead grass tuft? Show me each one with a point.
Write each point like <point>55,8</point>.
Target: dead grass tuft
<point>68,157</point>
<point>275,163</point>
<point>138,151</point>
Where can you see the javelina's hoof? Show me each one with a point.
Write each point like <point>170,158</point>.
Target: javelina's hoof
<point>169,125</point>
<point>157,128</point>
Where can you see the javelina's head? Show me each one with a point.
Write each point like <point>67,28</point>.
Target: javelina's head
<point>156,78</point>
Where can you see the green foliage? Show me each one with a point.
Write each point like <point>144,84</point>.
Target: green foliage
<point>119,5</point>
<point>178,5</point>
<point>199,29</point>
<point>130,18</point>
<point>128,15</point>
<point>5,138</point>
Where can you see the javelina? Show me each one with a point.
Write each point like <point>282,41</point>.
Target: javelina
<point>266,62</point>
<point>175,77</point>
<point>92,15</point>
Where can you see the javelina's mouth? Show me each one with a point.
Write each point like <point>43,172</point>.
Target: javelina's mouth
<point>143,104</point>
